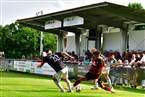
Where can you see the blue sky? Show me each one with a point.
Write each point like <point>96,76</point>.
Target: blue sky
<point>11,10</point>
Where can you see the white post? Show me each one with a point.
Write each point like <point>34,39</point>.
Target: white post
<point>41,43</point>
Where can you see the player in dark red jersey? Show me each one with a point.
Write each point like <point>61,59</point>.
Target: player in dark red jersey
<point>95,72</point>
<point>53,59</point>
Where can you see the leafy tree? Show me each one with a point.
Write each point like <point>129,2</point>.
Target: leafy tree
<point>22,41</point>
<point>4,35</point>
<point>137,6</point>
<point>17,40</point>
<point>50,41</point>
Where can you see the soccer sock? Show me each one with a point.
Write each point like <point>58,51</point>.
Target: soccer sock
<point>109,82</point>
<point>96,85</point>
<point>68,84</point>
<point>76,83</point>
<point>59,85</point>
<point>107,88</point>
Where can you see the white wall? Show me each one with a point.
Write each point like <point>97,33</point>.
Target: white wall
<point>70,44</point>
<point>91,44</point>
<point>83,44</point>
<point>112,41</point>
<point>137,40</point>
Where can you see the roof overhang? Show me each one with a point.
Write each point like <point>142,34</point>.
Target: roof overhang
<point>105,13</point>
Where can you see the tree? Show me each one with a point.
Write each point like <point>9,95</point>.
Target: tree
<point>50,41</point>
<point>137,6</point>
<point>17,40</point>
<point>21,40</point>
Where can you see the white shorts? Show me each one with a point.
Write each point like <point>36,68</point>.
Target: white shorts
<point>106,70</point>
<point>62,74</point>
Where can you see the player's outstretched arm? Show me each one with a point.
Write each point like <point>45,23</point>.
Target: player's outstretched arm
<point>40,65</point>
<point>64,53</point>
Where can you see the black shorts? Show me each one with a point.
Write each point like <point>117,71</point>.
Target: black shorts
<point>91,76</point>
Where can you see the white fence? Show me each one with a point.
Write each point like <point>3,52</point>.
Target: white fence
<point>121,75</point>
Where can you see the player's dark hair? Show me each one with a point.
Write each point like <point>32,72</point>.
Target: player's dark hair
<point>96,52</point>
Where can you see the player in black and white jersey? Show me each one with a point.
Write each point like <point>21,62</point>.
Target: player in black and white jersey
<point>54,60</point>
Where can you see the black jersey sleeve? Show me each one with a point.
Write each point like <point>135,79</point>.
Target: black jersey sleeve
<point>59,54</point>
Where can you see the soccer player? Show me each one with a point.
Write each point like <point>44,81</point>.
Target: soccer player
<point>54,60</point>
<point>95,72</point>
<point>105,72</point>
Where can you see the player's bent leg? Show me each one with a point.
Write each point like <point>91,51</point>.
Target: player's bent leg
<point>68,84</point>
<point>108,80</point>
<point>58,84</point>
<point>105,87</point>
<point>65,78</point>
<point>95,87</point>
<point>83,78</point>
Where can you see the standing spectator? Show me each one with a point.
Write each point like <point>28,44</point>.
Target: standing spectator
<point>129,71</point>
<point>135,66</point>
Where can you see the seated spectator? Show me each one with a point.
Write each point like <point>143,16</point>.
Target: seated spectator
<point>23,58</point>
<point>89,54</point>
<point>112,61</point>
<point>137,61</point>
<point>3,54</point>
<point>36,57</point>
<point>87,59</point>
<point>28,58</point>
<point>133,58</point>
<point>0,54</point>
<point>74,55</point>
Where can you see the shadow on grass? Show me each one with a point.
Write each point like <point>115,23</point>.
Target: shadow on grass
<point>129,89</point>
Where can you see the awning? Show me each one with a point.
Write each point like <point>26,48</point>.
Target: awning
<point>105,13</point>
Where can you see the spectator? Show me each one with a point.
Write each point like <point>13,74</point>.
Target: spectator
<point>28,58</point>
<point>112,61</point>
<point>134,70</point>
<point>133,58</point>
<point>129,71</point>
<point>0,54</point>
<point>23,58</point>
<point>74,55</point>
<point>36,58</point>
<point>3,54</point>
<point>89,54</point>
<point>87,59</point>
<point>141,62</point>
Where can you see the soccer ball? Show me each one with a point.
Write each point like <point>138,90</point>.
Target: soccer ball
<point>78,88</point>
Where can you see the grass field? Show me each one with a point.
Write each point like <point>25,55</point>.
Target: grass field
<point>14,84</point>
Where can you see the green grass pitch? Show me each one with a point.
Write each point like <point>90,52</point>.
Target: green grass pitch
<point>14,84</point>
